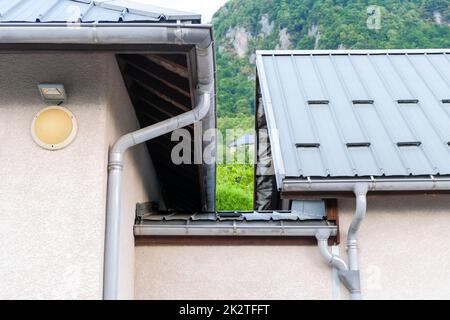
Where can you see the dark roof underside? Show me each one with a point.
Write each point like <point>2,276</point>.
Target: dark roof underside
<point>159,86</point>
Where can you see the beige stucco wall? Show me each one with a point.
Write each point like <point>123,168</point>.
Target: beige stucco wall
<point>52,204</point>
<point>405,253</point>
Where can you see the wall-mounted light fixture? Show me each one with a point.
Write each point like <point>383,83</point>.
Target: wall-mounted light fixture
<point>54,128</point>
<point>52,93</point>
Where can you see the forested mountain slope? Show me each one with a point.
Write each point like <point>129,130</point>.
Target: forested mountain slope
<point>243,26</point>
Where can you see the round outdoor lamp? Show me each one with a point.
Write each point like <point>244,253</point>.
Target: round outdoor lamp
<point>54,128</point>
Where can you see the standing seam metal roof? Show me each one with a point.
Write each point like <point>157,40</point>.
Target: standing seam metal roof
<point>48,11</point>
<point>358,113</point>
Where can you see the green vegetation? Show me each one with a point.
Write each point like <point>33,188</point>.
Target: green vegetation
<point>248,25</point>
<point>241,125</point>
<point>235,190</point>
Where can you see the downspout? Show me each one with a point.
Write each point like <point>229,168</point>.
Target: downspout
<point>352,240</point>
<point>348,274</point>
<point>115,168</point>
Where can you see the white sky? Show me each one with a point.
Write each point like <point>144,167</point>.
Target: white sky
<point>205,7</point>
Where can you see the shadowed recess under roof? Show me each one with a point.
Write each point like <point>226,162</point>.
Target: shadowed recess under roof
<point>159,86</point>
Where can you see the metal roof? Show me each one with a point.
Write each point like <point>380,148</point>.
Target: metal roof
<point>47,11</point>
<point>227,216</point>
<point>357,113</point>
<point>303,211</point>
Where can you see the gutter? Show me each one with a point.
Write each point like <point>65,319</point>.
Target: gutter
<point>199,36</point>
<point>374,184</point>
<point>106,33</point>
<point>233,229</point>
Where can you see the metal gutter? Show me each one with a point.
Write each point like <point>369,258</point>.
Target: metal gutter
<point>234,228</point>
<point>103,33</point>
<point>374,184</point>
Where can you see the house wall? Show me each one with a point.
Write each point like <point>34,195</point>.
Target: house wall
<point>405,253</point>
<point>52,203</point>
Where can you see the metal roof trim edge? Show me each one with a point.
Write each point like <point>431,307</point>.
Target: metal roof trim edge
<point>346,52</point>
<point>271,124</point>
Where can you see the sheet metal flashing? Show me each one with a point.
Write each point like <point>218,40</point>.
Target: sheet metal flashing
<point>82,11</point>
<point>346,140</point>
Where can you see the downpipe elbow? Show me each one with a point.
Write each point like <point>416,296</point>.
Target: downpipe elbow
<point>203,107</point>
<point>360,212</point>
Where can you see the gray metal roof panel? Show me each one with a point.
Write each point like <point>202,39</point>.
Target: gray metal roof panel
<point>245,216</point>
<point>344,113</point>
<point>305,209</point>
<point>87,11</point>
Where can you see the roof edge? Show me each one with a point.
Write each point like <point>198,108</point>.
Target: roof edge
<point>350,52</point>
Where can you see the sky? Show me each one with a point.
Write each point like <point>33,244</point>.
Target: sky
<point>205,7</point>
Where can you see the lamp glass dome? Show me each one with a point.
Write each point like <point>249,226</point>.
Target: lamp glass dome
<point>54,128</point>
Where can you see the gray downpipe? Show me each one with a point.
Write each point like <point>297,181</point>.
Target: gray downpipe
<point>348,274</point>
<point>115,168</point>
<point>360,213</point>
<point>334,261</point>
